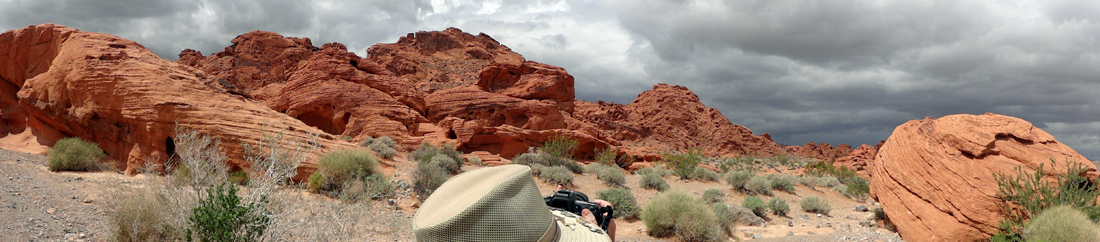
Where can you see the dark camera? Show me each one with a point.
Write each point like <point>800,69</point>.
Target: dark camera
<point>574,202</point>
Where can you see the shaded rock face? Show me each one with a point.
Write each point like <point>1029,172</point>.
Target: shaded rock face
<point>671,117</point>
<point>934,177</point>
<point>859,160</point>
<point>117,93</point>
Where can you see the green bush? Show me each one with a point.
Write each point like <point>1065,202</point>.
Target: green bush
<point>879,214</point>
<point>315,181</point>
<point>221,216</point>
<point>606,156</point>
<point>684,164</point>
<point>643,171</point>
<point>809,181</point>
<point>450,151</point>
<point>75,154</point>
<point>828,181</point>
<point>653,181</point>
<point>738,178</point>
<point>782,183</point>
<point>529,159</point>
<point>1061,223</point>
<point>453,166</point>
<point>373,186</point>
<point>676,213</point>
<point>779,206</point>
<point>858,188</point>
<point>816,205</point>
<point>1034,194</point>
<point>345,138</point>
<point>759,185</point>
<point>424,153</point>
<point>548,160</point>
<point>622,200</point>
<point>560,146</point>
<point>429,176</point>
<point>384,151</point>
<point>725,217</point>
<point>238,177</point>
<point>704,174</point>
<point>556,175</point>
<point>612,176</point>
<point>342,167</point>
<point>386,140</point>
<point>366,141</point>
<point>140,215</point>
<point>714,195</point>
<point>755,204</point>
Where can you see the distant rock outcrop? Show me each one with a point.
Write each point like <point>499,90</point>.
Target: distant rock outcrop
<point>934,177</point>
<point>117,93</point>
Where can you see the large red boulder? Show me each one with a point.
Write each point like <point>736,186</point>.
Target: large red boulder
<point>935,177</point>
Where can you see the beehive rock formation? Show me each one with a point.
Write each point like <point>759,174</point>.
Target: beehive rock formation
<point>934,177</point>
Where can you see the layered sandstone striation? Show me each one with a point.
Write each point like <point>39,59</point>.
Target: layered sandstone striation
<point>934,177</point>
<point>117,93</point>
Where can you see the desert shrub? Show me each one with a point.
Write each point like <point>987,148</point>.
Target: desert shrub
<point>450,151</point>
<point>1030,194</point>
<point>536,169</point>
<point>529,159</point>
<point>828,181</point>
<point>858,188</point>
<point>725,217</point>
<point>383,150</point>
<point>782,183</point>
<point>878,214</point>
<point>779,206</point>
<point>808,181</point>
<point>221,216</point>
<point>429,176</point>
<point>755,204</point>
<point>738,178</point>
<point>684,164</point>
<point>424,153</point>
<point>606,156</point>
<point>612,176</point>
<point>572,166</point>
<point>366,141</point>
<point>75,154</point>
<point>453,166</point>
<point>816,205</point>
<point>315,181</point>
<point>704,174</point>
<point>643,171</point>
<point>556,175</point>
<point>759,185</point>
<point>676,213</point>
<point>340,167</point>
<point>714,195</point>
<point>653,181</point>
<point>373,186</point>
<point>138,215</point>
<point>560,146</point>
<point>345,138</point>
<point>622,200</point>
<point>1061,223</point>
<point>823,168</point>
<point>238,177</point>
<point>386,140</point>
<point>473,159</point>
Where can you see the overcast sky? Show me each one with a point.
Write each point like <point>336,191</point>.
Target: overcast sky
<point>823,71</point>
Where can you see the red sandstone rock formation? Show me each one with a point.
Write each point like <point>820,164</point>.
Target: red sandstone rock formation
<point>671,118</point>
<point>859,159</point>
<point>821,151</point>
<point>934,177</point>
<point>117,93</point>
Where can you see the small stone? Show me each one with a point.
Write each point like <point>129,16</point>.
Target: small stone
<point>790,233</point>
<point>850,217</point>
<point>51,211</point>
<point>861,208</point>
<point>865,223</point>
<point>790,223</point>
<point>757,236</point>
<point>818,226</point>
<point>829,224</point>
<point>810,232</point>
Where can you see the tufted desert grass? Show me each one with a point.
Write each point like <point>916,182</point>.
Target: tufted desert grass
<point>75,154</point>
<point>653,181</point>
<point>816,205</point>
<point>622,200</point>
<point>677,214</point>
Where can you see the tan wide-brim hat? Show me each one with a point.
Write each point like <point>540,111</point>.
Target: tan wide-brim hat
<point>497,204</point>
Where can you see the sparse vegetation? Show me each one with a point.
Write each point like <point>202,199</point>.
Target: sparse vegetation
<point>136,215</point>
<point>558,151</point>
<point>366,141</point>
<point>725,217</point>
<point>653,181</point>
<point>780,182</point>
<point>1061,223</point>
<point>222,216</point>
<point>610,175</point>
<point>738,178</point>
<point>340,170</point>
<point>779,206</point>
<point>622,200</point>
<point>239,177</point>
<point>878,214</point>
<point>684,164</point>
<point>606,156</point>
<point>714,195</point>
<point>676,213</point>
<point>386,140</point>
<point>755,204</point>
<point>424,153</point>
<point>556,175</point>
<point>473,159</point>
<point>858,188</point>
<point>384,151</point>
<point>1030,194</point>
<point>75,154</point>
<point>429,176</point>
<point>759,185</point>
<point>704,174</point>
<point>816,205</point>
<point>828,181</point>
<point>560,146</point>
<point>809,181</point>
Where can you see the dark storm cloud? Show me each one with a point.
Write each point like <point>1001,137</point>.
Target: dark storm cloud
<point>824,71</point>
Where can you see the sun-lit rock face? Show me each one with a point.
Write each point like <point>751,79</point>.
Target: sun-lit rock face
<point>934,177</point>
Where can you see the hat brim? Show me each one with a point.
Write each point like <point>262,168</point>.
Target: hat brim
<point>569,227</point>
